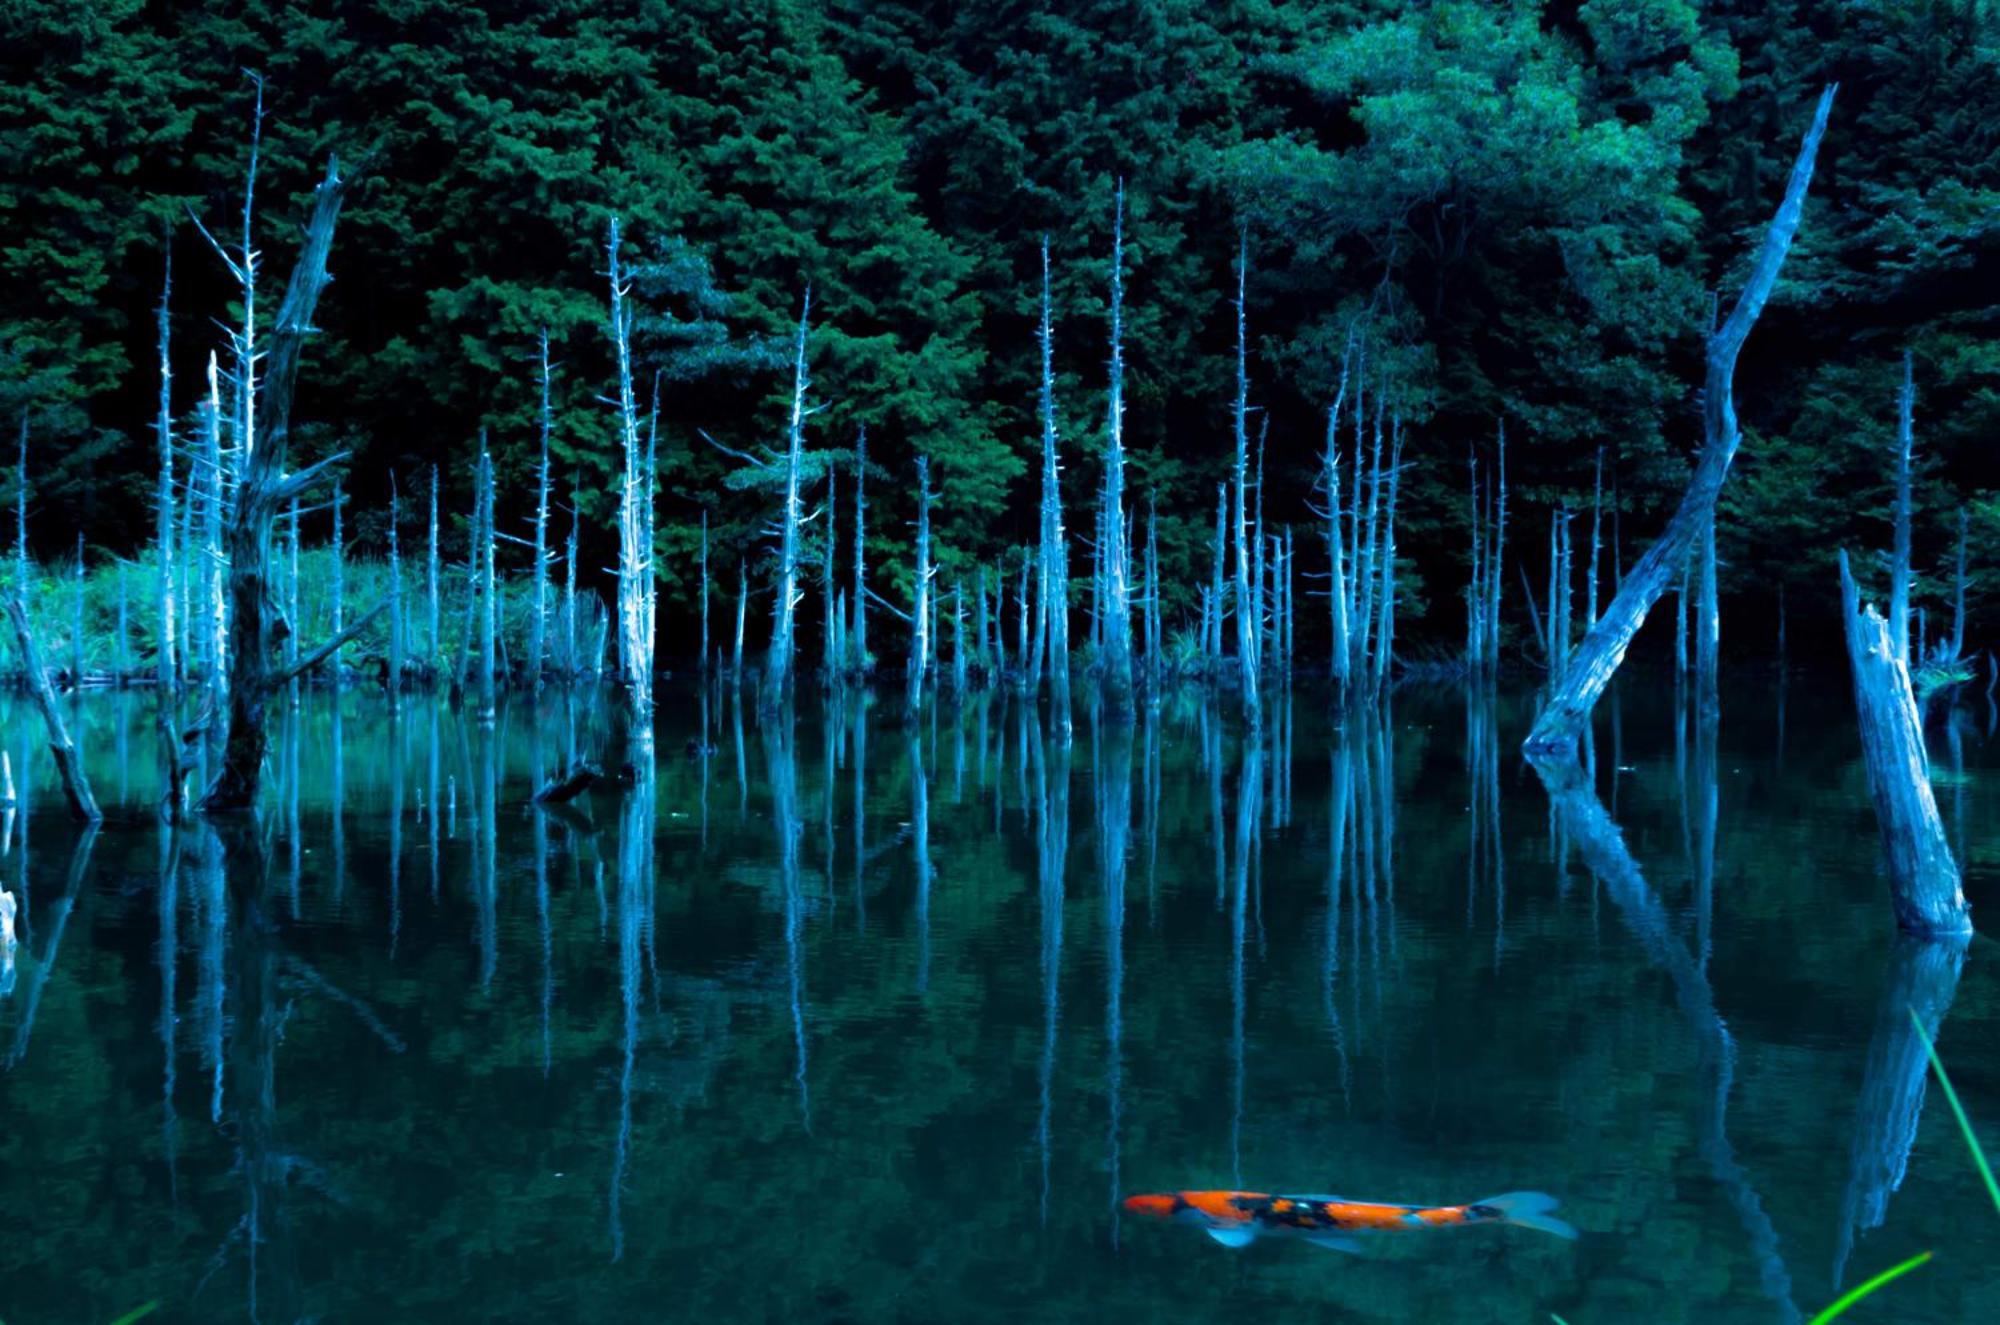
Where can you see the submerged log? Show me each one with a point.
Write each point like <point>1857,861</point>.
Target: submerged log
<point>1923,878</point>
<point>574,781</point>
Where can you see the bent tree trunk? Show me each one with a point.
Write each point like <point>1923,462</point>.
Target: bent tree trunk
<point>1923,877</point>
<point>1596,659</point>
<point>255,626</point>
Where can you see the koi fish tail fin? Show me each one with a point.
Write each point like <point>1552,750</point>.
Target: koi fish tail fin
<point>1529,1210</point>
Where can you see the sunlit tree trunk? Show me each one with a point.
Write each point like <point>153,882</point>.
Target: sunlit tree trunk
<point>1596,659</point>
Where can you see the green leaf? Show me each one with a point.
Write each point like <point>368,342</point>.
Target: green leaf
<point>1861,1290</point>
<point>1958,1111</point>
<point>138,1313</point>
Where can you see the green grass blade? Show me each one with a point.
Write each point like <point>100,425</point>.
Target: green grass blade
<point>1557,1319</point>
<point>1958,1111</point>
<point>1861,1290</point>
<point>138,1313</point>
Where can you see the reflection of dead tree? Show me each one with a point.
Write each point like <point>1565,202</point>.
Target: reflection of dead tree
<point>38,979</point>
<point>1921,979</point>
<point>1602,846</point>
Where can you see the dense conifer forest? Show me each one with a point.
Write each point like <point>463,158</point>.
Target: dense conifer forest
<point>1488,217</point>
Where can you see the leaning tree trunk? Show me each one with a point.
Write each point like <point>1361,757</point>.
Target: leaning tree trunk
<point>1596,659</point>
<point>1923,878</point>
<point>69,764</point>
<point>254,670</point>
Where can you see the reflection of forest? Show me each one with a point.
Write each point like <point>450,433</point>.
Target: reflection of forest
<point>962,964</point>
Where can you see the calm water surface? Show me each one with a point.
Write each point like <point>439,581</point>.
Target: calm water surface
<point>856,1022</point>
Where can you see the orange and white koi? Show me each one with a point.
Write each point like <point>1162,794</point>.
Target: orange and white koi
<point>1236,1219</point>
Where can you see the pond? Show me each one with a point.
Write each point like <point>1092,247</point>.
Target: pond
<point>857,1021</point>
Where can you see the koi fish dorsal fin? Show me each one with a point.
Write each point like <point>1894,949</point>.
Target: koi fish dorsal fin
<point>1232,1237</point>
<point>1528,1210</point>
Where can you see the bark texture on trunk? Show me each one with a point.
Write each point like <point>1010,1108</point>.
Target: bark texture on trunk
<point>1923,878</point>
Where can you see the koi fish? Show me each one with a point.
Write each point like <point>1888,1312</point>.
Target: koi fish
<point>1236,1219</point>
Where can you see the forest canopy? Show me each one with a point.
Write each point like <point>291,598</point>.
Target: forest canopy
<point>1518,212</point>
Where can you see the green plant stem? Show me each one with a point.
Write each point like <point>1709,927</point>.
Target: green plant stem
<point>1958,1111</point>
<point>1861,1290</point>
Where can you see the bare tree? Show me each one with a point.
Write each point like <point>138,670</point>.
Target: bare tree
<point>267,488</point>
<point>1595,660</point>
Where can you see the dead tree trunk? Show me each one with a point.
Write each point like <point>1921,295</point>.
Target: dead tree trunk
<point>920,608</point>
<point>266,488</point>
<point>1708,626</point>
<point>1923,878</point>
<point>339,579</point>
<point>858,637</point>
<point>395,673</point>
<point>742,605</point>
<point>76,786</point>
<point>489,599</point>
<point>1116,607</point>
<point>634,560</point>
<point>830,641</point>
<point>167,672</point>
<point>1335,551</point>
<point>538,619</point>
<point>1958,595</point>
<point>778,670</point>
<point>1596,659</point>
<point>1899,557</point>
<point>1052,629</point>
<point>1246,623</point>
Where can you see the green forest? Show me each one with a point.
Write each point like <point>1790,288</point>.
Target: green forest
<point>1517,215</point>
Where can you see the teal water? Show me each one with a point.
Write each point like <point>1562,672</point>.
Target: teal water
<point>849,1021</point>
